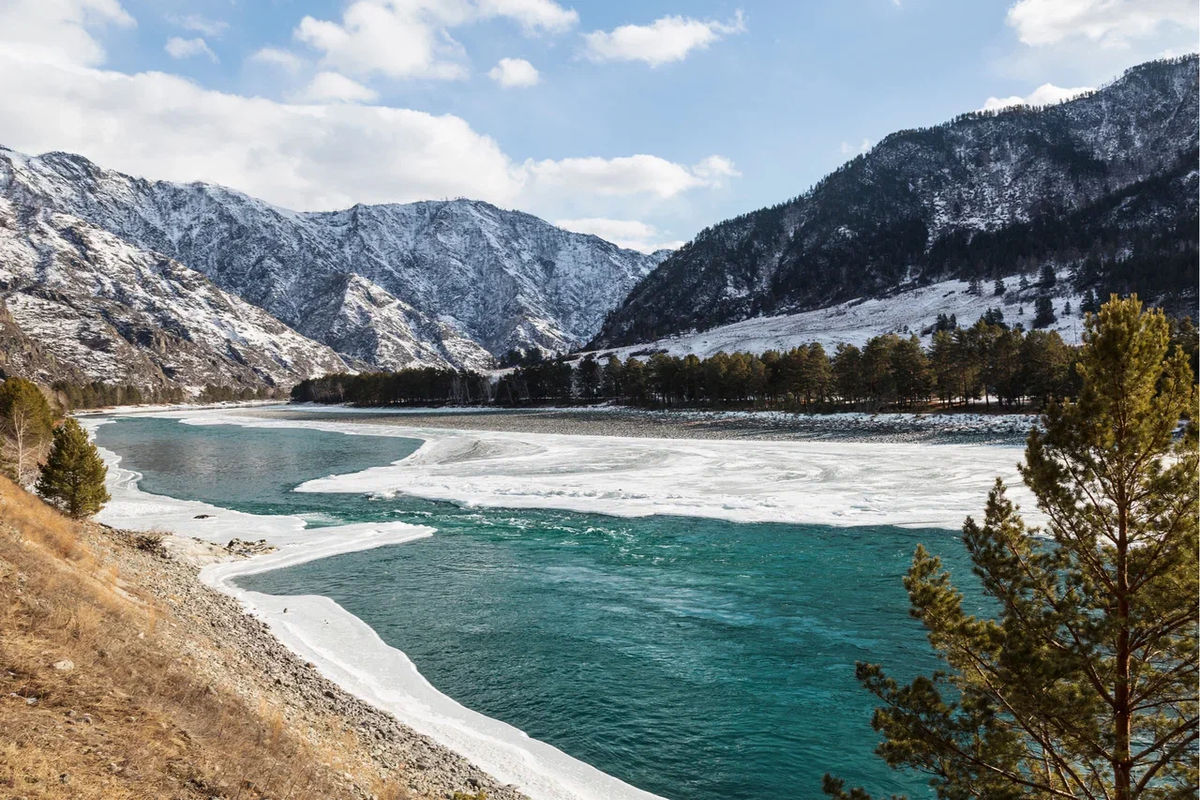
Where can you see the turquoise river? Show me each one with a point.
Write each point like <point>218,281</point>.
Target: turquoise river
<point>694,658</point>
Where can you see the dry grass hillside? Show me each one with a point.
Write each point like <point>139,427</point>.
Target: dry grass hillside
<point>100,698</point>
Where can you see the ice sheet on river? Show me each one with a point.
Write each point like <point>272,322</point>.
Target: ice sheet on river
<point>814,482</point>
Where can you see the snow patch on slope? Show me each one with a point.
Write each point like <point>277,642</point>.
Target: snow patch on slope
<point>907,312</point>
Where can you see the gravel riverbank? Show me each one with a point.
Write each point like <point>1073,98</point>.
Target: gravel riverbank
<point>235,649</point>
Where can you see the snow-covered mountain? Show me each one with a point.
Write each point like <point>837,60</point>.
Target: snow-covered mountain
<point>429,283</point>
<point>79,303</point>
<point>1101,188</point>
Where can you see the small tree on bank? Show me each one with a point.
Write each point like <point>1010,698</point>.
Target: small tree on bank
<point>25,428</point>
<point>1085,684</point>
<point>73,478</point>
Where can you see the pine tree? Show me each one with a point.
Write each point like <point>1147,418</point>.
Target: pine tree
<point>1043,312</point>
<point>879,380</point>
<point>1047,278</point>
<point>942,357</point>
<point>73,478</point>
<point>1003,368</point>
<point>1045,366</point>
<point>614,377</point>
<point>590,376</point>
<point>911,374</point>
<point>25,428</point>
<point>1085,683</point>
<point>847,373</point>
<point>818,378</point>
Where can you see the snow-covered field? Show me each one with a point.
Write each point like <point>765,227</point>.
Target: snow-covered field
<point>820,482</point>
<point>855,322</point>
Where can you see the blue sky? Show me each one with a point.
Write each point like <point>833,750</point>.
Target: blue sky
<point>640,121</point>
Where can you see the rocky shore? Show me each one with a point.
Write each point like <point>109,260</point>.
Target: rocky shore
<point>691,424</point>
<point>234,649</point>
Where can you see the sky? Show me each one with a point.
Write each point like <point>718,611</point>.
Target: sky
<point>642,121</point>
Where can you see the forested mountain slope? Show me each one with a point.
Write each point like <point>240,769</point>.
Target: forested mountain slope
<point>1105,185</point>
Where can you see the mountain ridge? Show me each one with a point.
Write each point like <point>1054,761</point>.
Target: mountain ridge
<point>439,283</point>
<point>986,195</point>
<point>113,277</point>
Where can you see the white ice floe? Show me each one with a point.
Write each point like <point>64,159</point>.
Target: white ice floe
<point>837,483</point>
<point>812,482</point>
<point>344,648</point>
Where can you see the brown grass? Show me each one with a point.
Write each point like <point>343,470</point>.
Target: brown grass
<point>133,718</point>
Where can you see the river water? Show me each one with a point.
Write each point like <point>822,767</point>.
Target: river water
<point>695,658</point>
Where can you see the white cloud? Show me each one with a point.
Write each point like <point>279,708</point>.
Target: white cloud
<point>178,47</point>
<point>534,15</point>
<point>628,175</point>
<point>849,149</point>
<point>662,41</point>
<point>714,169</point>
<point>629,233</point>
<point>398,40</point>
<point>277,57</point>
<point>1045,95</point>
<point>1084,42</point>
<point>307,156</point>
<point>199,24</point>
<point>321,153</point>
<point>512,73</point>
<point>330,87</point>
<point>1109,23</point>
<point>56,31</point>
<point>296,156</point>
<point>411,38</point>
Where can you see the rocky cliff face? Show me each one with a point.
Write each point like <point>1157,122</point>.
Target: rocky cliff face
<point>83,304</point>
<point>430,283</point>
<point>1104,184</point>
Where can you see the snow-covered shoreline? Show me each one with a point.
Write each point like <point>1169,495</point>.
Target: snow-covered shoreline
<point>151,408</point>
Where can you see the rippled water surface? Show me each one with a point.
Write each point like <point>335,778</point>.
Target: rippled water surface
<point>694,658</point>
